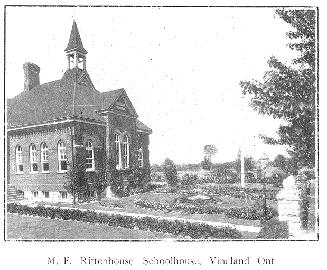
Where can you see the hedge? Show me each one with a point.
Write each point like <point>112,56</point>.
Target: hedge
<point>250,213</point>
<point>195,230</point>
<point>274,229</point>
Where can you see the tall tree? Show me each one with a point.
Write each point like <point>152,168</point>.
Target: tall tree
<point>209,151</point>
<point>288,92</point>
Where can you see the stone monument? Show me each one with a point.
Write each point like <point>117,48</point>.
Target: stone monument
<point>289,206</point>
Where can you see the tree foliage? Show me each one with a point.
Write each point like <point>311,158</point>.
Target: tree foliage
<point>209,151</point>
<point>170,172</point>
<point>77,183</point>
<point>280,161</point>
<point>288,92</point>
<point>100,180</point>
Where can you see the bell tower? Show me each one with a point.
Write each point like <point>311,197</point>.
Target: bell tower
<point>75,52</point>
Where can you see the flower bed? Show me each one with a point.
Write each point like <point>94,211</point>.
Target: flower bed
<point>242,193</point>
<point>250,213</point>
<point>227,191</point>
<point>195,230</point>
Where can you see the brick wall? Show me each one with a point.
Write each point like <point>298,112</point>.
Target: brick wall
<point>51,136</point>
<point>37,136</point>
<point>81,133</point>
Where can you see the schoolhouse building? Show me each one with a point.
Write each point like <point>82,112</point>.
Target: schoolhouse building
<point>52,125</point>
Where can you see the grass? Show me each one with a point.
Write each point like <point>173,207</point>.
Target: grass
<point>27,227</point>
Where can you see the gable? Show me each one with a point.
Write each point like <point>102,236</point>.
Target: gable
<point>122,105</point>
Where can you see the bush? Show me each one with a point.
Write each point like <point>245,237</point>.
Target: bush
<point>170,172</point>
<point>194,230</point>
<point>189,179</point>
<point>252,213</point>
<point>276,181</point>
<point>274,229</point>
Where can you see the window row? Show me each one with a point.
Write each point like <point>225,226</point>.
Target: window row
<point>62,158</point>
<point>46,194</point>
<point>121,154</point>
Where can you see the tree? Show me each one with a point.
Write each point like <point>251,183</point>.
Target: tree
<point>170,172</point>
<point>288,92</point>
<point>280,161</point>
<point>100,181</point>
<point>77,183</point>
<point>209,151</point>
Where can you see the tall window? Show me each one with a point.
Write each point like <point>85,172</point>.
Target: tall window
<point>117,151</point>
<point>33,160</point>
<point>44,157</point>
<point>89,156</point>
<point>126,152</point>
<point>62,157</point>
<point>140,158</point>
<point>19,159</point>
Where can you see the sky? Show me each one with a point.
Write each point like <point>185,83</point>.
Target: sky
<point>180,67</point>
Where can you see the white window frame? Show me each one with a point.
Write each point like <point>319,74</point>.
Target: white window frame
<point>89,149</point>
<point>140,158</point>
<point>125,152</point>
<point>19,160</point>
<point>62,156</point>
<point>118,147</point>
<point>44,157</point>
<point>33,159</point>
<point>44,193</point>
<point>63,195</point>
<point>35,194</point>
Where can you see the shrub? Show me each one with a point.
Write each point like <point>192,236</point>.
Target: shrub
<point>252,213</point>
<point>274,229</point>
<point>194,230</point>
<point>170,172</point>
<point>189,179</point>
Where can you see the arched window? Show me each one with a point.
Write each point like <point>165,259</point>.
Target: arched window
<point>44,157</point>
<point>33,160</point>
<point>140,158</point>
<point>89,156</point>
<point>19,159</point>
<point>117,151</point>
<point>126,152</point>
<point>62,157</point>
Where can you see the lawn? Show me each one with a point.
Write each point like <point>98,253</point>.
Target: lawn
<point>27,227</point>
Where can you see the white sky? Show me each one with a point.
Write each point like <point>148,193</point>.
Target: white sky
<point>181,68</point>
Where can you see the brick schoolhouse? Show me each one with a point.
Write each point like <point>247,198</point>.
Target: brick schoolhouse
<point>51,125</point>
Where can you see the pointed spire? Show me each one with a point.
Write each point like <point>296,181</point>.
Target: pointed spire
<point>75,42</point>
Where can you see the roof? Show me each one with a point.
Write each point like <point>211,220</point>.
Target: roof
<point>63,99</point>
<point>140,126</point>
<point>75,41</point>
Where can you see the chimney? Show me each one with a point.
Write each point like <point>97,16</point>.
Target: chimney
<point>31,76</point>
